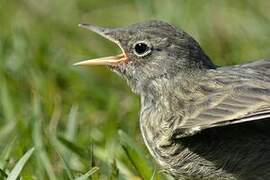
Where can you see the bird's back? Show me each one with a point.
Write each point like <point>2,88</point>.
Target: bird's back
<point>259,65</point>
<point>257,70</point>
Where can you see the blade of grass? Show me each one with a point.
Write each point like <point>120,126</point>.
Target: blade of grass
<point>6,131</point>
<point>3,174</point>
<point>42,155</point>
<point>70,132</point>
<point>66,167</point>
<point>73,147</point>
<point>15,172</point>
<point>71,124</point>
<point>5,155</point>
<point>95,176</point>
<point>8,109</point>
<point>114,171</point>
<point>88,174</point>
<point>153,177</point>
<point>136,157</point>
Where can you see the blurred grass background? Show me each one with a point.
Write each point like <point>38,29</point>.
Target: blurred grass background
<point>72,116</point>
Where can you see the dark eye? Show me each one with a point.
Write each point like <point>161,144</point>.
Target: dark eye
<point>142,48</point>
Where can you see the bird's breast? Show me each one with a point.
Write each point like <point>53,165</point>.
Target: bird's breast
<point>157,134</point>
<point>173,156</point>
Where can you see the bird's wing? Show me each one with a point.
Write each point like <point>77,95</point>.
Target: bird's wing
<point>242,103</point>
<point>262,64</point>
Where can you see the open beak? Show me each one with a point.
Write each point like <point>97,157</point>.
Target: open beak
<point>110,60</point>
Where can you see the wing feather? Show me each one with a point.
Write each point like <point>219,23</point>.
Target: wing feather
<point>240,103</point>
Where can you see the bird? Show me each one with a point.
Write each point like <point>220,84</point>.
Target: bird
<point>197,119</point>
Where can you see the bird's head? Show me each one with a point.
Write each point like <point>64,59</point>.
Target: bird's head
<point>150,51</point>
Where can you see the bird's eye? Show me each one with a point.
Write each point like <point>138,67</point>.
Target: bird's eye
<point>142,48</point>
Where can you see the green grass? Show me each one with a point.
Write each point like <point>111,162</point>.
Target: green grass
<point>72,116</point>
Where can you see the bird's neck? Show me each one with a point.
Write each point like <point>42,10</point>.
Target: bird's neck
<point>164,98</point>
<point>161,102</point>
<point>182,86</point>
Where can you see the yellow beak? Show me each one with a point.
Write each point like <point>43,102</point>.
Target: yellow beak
<point>110,60</point>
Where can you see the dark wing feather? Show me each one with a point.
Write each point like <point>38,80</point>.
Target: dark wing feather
<point>249,100</point>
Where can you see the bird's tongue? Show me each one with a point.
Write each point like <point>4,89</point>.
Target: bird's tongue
<point>110,60</point>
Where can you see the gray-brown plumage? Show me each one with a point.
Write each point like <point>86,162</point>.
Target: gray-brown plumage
<point>198,120</point>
